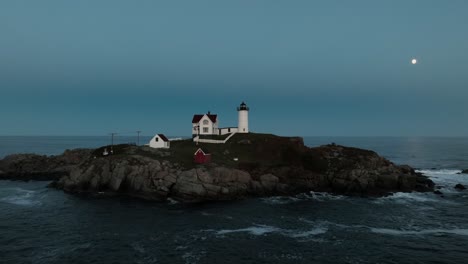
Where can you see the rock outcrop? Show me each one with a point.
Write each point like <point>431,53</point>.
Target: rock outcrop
<point>464,171</point>
<point>41,167</point>
<point>335,169</point>
<point>460,187</point>
<point>268,165</point>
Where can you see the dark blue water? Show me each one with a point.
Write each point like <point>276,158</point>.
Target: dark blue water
<point>41,225</point>
<point>419,152</point>
<point>49,145</point>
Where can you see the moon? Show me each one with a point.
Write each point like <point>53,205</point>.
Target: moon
<point>414,61</point>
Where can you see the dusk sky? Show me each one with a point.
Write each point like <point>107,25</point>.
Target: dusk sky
<point>308,68</point>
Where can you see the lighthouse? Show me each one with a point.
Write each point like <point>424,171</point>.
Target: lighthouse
<point>243,125</point>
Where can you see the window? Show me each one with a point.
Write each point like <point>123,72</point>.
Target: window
<point>205,122</point>
<point>156,139</point>
<point>205,129</point>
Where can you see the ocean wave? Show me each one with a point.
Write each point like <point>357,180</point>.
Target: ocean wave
<point>396,232</point>
<point>193,257</point>
<point>324,223</point>
<point>257,230</point>
<point>280,199</point>
<point>446,179</point>
<point>315,196</point>
<point>313,232</point>
<point>203,213</point>
<point>260,230</point>
<point>19,196</point>
<point>440,172</point>
<point>388,231</point>
<point>412,196</point>
<point>138,247</point>
<point>171,201</point>
<point>323,196</point>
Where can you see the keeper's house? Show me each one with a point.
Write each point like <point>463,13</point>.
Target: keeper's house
<point>208,124</point>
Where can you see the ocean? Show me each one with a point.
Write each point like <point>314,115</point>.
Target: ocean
<point>42,225</point>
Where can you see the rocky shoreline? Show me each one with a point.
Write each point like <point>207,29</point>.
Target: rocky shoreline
<point>40,167</point>
<point>331,168</point>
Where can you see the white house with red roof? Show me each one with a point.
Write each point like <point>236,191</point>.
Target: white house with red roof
<point>207,124</point>
<point>159,141</point>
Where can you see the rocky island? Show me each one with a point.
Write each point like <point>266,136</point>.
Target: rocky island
<point>248,165</point>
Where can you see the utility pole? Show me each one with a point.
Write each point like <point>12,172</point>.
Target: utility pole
<point>112,138</point>
<point>138,137</point>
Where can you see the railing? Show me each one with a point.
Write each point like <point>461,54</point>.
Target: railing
<point>212,141</point>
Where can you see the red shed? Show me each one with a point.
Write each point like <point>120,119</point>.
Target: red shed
<point>201,156</point>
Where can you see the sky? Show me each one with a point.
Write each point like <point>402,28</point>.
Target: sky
<point>306,68</point>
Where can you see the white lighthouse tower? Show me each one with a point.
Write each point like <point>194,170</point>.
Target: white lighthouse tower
<point>243,126</point>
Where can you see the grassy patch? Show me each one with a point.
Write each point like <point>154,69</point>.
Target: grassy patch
<point>244,151</point>
<point>214,137</point>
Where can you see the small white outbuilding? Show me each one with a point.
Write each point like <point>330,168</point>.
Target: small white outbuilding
<point>159,141</point>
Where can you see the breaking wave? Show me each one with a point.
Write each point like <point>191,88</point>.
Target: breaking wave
<point>446,179</point>
<point>315,196</point>
<point>396,232</point>
<point>257,230</point>
<point>260,230</point>
<point>412,197</point>
<point>19,196</point>
<point>439,172</point>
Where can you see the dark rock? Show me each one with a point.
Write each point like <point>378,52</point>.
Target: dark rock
<point>460,187</point>
<point>39,167</point>
<point>297,169</point>
<point>407,169</point>
<point>464,171</point>
<point>438,192</point>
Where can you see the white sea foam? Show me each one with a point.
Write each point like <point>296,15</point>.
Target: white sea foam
<point>440,172</point>
<point>413,231</point>
<point>257,230</point>
<point>20,197</point>
<point>316,196</point>
<point>323,223</point>
<point>172,201</point>
<point>324,196</point>
<point>396,232</point>
<point>445,176</point>
<point>206,214</point>
<point>280,199</point>
<point>402,197</point>
<point>313,232</point>
<point>260,230</point>
<point>446,179</point>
